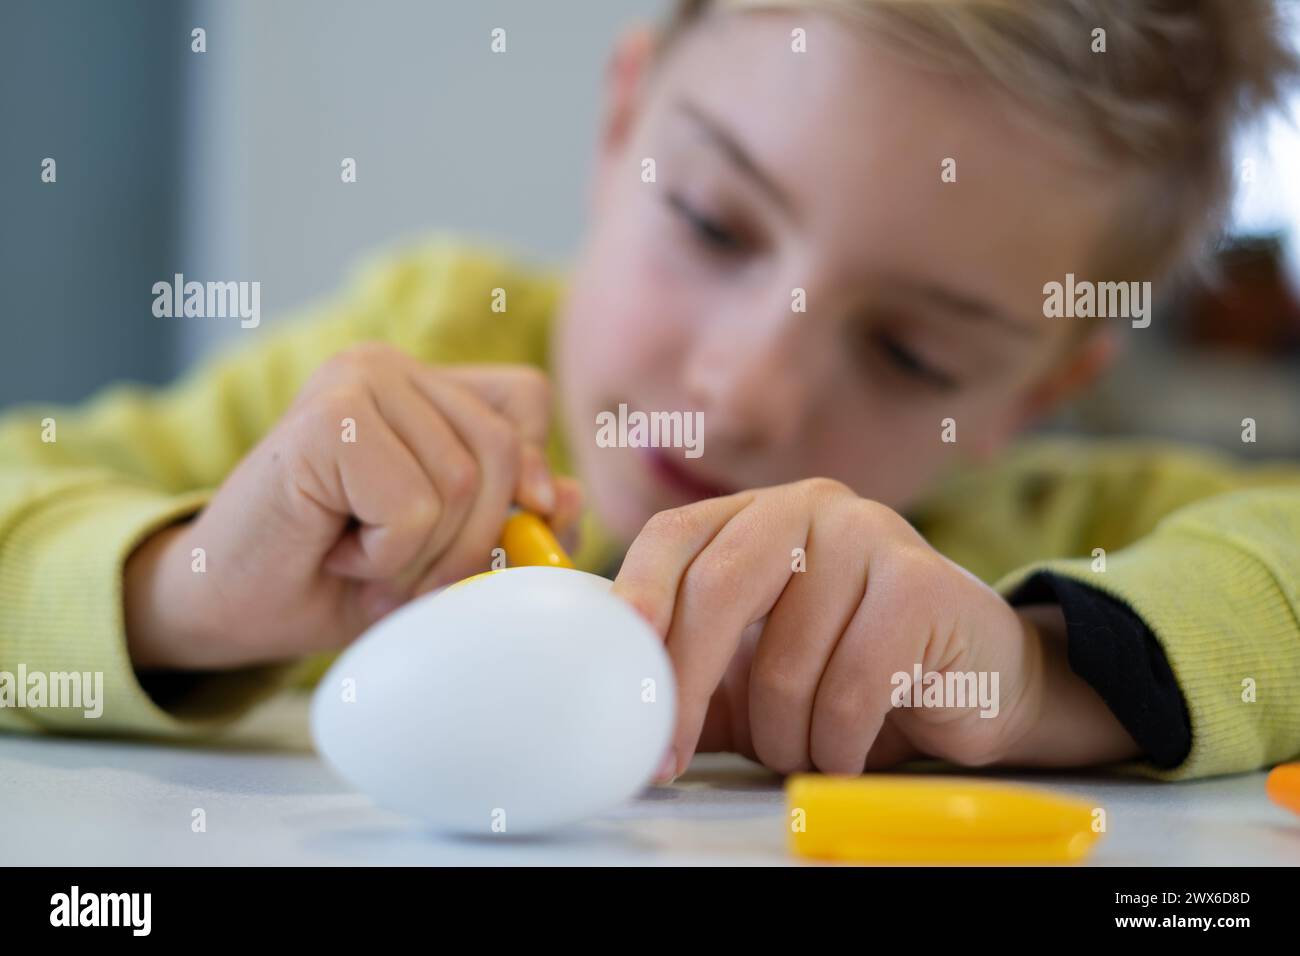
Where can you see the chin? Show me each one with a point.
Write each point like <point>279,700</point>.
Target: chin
<point>619,503</point>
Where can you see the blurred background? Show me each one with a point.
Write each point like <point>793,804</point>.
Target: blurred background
<point>226,165</point>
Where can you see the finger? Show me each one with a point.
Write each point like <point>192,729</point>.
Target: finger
<point>702,574</point>
<point>449,465</point>
<point>495,445</point>
<point>521,393</point>
<point>568,510</point>
<point>797,643</point>
<point>890,748</point>
<point>378,481</point>
<point>734,581</point>
<point>655,564</point>
<point>653,567</point>
<point>535,487</point>
<point>726,721</point>
<point>885,636</point>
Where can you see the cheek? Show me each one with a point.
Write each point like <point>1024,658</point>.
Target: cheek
<point>887,454</point>
<point>610,342</point>
<point>622,327</point>
<point>889,444</point>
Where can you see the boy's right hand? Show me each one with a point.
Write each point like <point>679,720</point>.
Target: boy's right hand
<point>314,536</point>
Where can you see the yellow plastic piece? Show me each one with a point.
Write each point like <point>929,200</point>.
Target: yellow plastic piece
<point>528,540</point>
<point>897,819</point>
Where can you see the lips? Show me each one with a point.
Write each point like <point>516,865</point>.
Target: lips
<point>671,473</point>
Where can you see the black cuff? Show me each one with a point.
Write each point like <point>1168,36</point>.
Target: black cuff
<point>1111,647</point>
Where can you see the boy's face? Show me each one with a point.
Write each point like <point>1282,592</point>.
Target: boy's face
<point>820,171</point>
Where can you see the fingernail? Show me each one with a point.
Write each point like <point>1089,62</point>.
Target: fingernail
<point>543,488</point>
<point>667,771</point>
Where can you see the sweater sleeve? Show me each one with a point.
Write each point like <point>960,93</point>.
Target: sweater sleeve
<point>1218,584</point>
<point>82,486</point>
<point>1112,649</point>
<point>64,540</point>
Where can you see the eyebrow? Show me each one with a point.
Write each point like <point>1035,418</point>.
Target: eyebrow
<point>957,303</point>
<point>731,147</point>
<point>938,295</point>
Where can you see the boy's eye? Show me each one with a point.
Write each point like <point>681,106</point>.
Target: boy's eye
<point>912,364</point>
<point>709,230</point>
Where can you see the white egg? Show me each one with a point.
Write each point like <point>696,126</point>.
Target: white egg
<point>515,701</point>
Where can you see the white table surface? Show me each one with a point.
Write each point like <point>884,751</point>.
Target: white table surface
<point>269,799</point>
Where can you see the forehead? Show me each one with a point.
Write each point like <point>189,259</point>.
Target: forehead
<point>856,136</point>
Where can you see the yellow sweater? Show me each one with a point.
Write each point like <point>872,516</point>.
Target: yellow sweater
<point>1205,550</point>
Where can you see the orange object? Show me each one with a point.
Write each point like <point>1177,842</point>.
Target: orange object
<point>1283,786</point>
<point>878,818</point>
<point>528,540</point>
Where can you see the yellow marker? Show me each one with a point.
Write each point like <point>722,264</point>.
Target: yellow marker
<point>899,819</point>
<point>528,540</point>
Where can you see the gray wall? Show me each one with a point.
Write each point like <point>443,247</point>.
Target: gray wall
<point>225,165</point>
<point>95,87</point>
<point>446,134</point>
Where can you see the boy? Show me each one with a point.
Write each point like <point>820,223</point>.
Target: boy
<point>827,228</point>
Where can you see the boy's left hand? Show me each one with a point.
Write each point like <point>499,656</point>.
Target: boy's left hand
<point>794,667</point>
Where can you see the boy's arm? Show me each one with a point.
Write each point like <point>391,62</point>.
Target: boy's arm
<point>82,487</point>
<point>1205,551</point>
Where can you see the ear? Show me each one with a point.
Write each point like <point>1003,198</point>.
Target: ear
<point>1072,374</point>
<point>626,72</point>
<point>1077,371</point>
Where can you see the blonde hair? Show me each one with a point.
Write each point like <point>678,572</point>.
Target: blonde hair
<point>1176,81</point>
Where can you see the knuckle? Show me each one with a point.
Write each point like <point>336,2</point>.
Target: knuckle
<point>824,488</point>
<point>462,475</point>
<point>715,572</point>
<point>321,377</point>
<point>840,710</point>
<point>355,362</point>
<point>873,513</point>
<point>322,413</point>
<point>883,519</point>
<point>423,509</point>
<point>536,383</point>
<point>346,400</point>
<point>910,566</point>
<point>774,685</point>
<point>670,525</point>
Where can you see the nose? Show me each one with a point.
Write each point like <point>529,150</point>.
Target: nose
<point>746,374</point>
